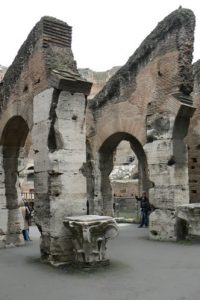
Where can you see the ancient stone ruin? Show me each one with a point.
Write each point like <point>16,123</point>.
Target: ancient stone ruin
<point>149,102</point>
<point>43,95</point>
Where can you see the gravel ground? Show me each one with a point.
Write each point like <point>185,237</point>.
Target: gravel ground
<point>139,269</point>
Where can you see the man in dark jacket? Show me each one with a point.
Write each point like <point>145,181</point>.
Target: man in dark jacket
<point>145,209</point>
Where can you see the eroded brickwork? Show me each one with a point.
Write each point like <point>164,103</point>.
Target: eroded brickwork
<point>42,94</point>
<point>148,103</point>
<point>193,140</point>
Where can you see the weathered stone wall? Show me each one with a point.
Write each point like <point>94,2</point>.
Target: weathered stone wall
<point>193,140</point>
<point>60,187</point>
<point>3,208</point>
<point>148,103</point>
<point>43,94</point>
<point>25,77</point>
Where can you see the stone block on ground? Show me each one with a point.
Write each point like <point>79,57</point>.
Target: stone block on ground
<point>162,225</point>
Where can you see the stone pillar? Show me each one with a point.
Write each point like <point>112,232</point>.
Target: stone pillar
<point>170,179</point>
<point>102,202</point>
<point>168,169</point>
<point>59,153</point>
<point>3,208</point>
<point>12,195</point>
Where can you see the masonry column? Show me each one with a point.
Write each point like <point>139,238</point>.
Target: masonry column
<point>168,167</point>
<point>3,207</point>
<point>59,145</point>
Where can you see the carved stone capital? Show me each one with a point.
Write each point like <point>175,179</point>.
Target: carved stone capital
<point>90,234</point>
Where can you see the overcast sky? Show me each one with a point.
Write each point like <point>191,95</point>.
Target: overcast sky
<point>105,32</point>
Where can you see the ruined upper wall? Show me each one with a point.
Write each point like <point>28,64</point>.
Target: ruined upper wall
<point>193,140</point>
<point>49,43</point>
<point>174,33</point>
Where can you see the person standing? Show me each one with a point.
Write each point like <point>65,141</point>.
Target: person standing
<point>26,218</point>
<point>26,214</point>
<point>145,209</point>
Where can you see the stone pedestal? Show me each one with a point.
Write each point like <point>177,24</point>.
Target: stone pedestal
<point>188,221</point>
<point>90,234</point>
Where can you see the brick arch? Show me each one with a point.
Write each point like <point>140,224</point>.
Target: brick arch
<point>149,98</point>
<point>118,124</point>
<point>12,141</point>
<point>111,143</point>
<point>43,91</point>
<point>105,163</point>
<point>15,132</point>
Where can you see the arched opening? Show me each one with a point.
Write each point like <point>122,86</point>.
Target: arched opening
<point>106,164</point>
<point>181,229</point>
<point>13,140</point>
<point>124,180</point>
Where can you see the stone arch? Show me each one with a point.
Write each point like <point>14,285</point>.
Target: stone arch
<point>149,98</point>
<point>13,139</point>
<point>43,88</point>
<point>106,165</point>
<point>180,130</point>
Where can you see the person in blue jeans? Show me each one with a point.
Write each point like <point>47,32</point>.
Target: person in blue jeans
<point>145,209</point>
<point>25,212</point>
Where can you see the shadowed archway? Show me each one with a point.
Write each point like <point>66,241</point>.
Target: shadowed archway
<point>106,166</point>
<point>12,141</point>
